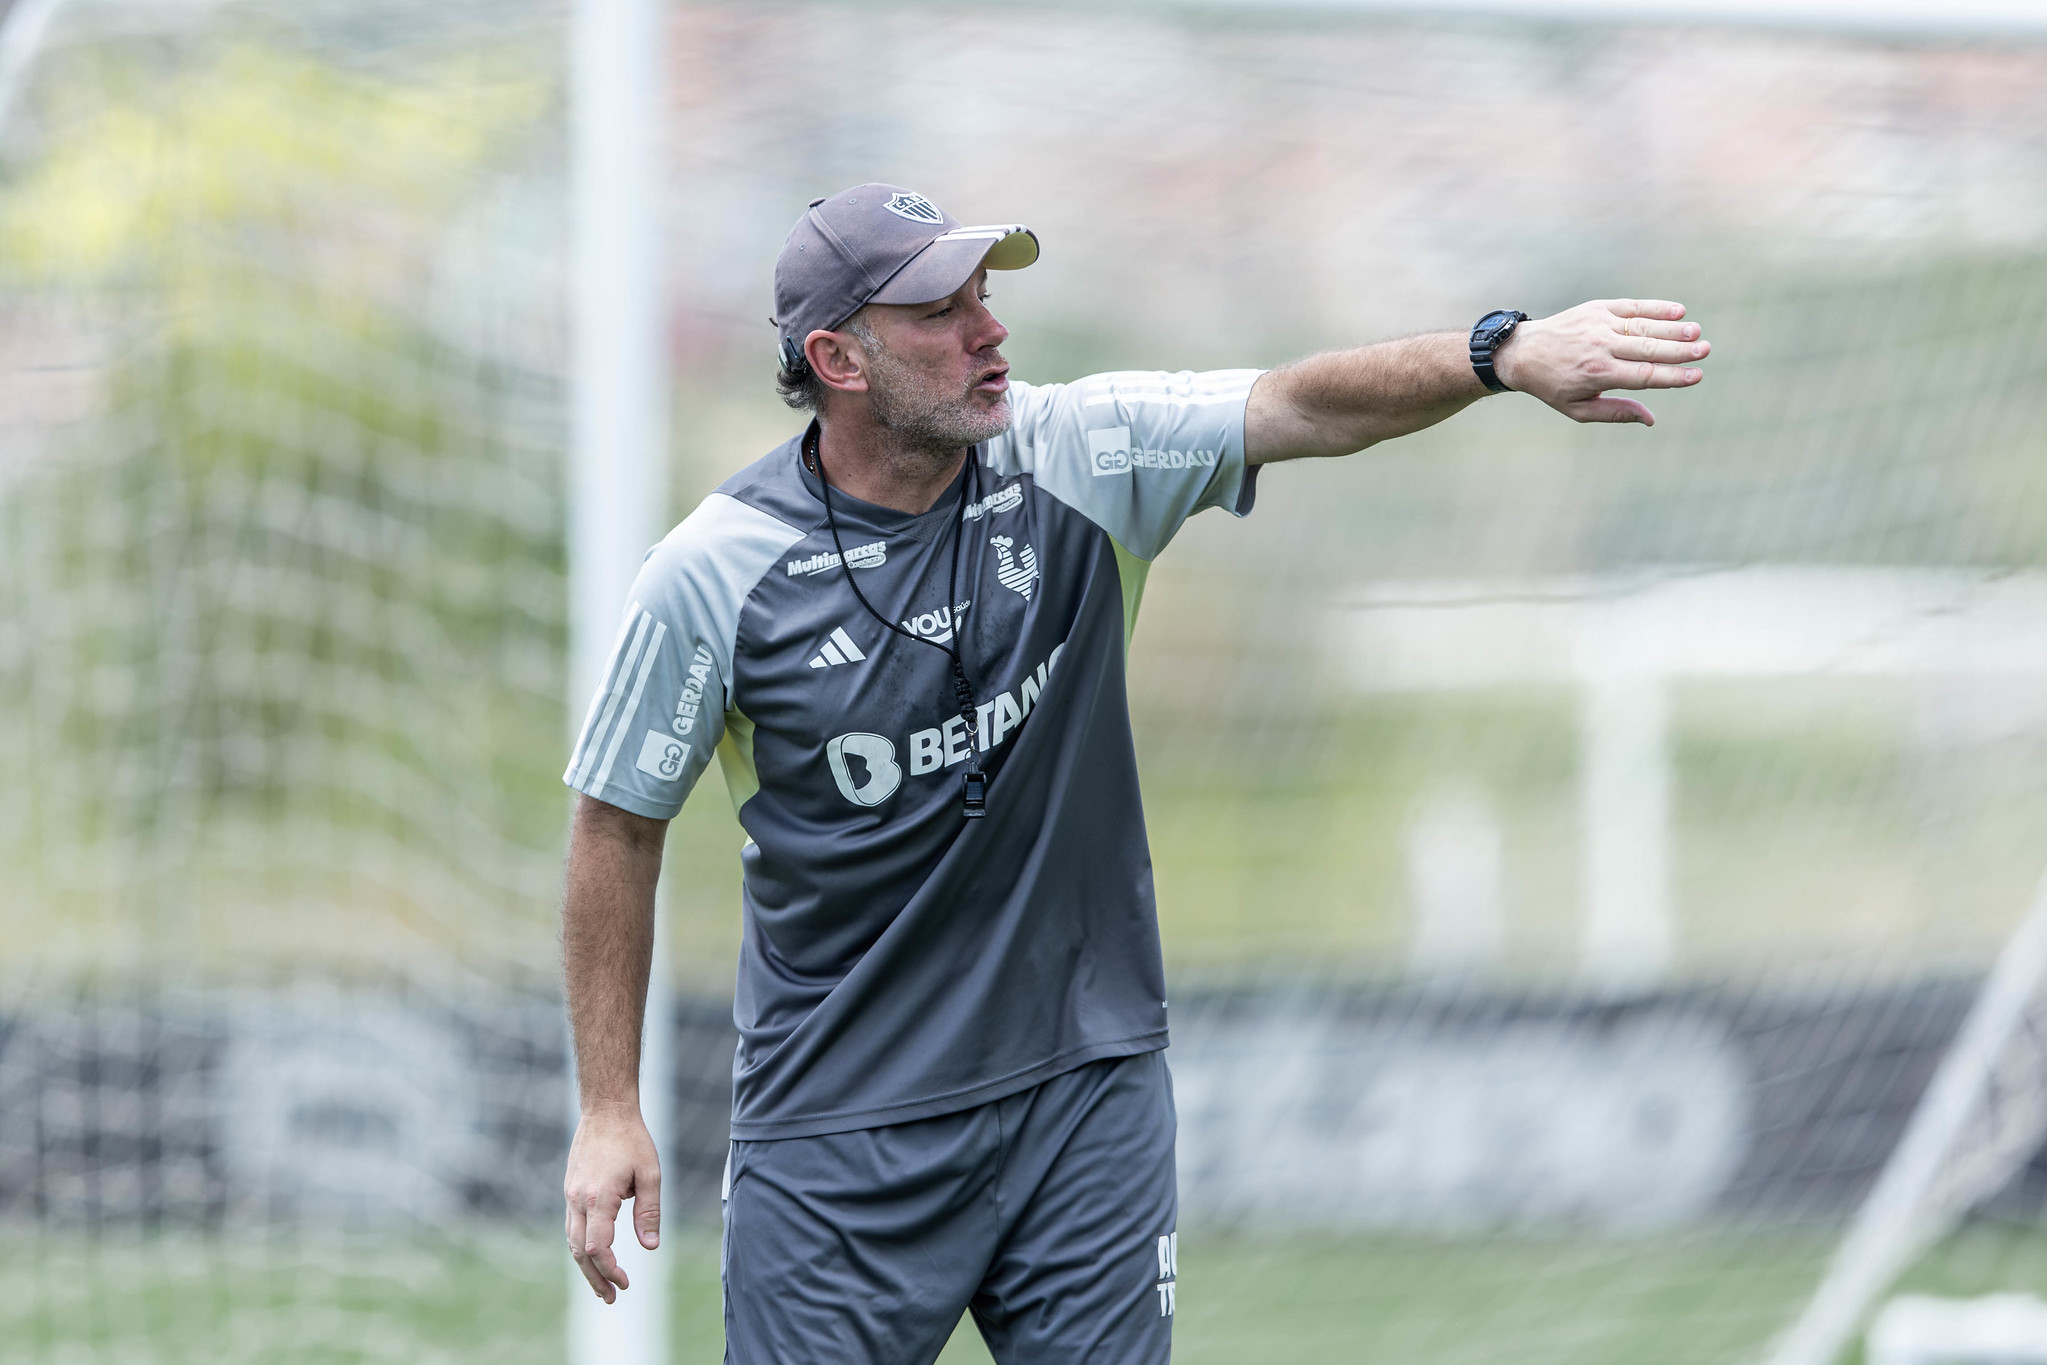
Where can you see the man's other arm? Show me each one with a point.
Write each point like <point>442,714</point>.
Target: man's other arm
<point>1344,401</point>
<point>607,948</point>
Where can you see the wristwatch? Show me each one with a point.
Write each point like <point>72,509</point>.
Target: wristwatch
<point>1487,336</point>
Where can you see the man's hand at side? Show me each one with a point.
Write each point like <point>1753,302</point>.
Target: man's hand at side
<point>1344,401</point>
<point>607,949</point>
<point>612,1160</point>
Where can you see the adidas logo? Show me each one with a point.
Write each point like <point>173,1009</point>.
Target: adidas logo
<point>838,649</point>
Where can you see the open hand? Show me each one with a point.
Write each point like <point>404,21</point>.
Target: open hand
<point>613,1159</point>
<point>1570,359</point>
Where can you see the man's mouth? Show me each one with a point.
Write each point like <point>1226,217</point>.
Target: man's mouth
<point>994,379</point>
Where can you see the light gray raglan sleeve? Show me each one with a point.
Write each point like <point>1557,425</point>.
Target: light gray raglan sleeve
<point>1137,452</point>
<point>660,710</point>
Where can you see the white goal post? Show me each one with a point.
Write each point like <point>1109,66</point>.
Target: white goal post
<point>1981,1118</point>
<point>617,497</point>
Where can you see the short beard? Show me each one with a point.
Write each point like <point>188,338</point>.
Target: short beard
<point>929,421</point>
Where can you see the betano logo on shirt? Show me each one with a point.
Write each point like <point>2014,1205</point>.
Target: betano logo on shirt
<point>883,774</point>
<point>869,556</point>
<point>942,746</point>
<point>1110,452</point>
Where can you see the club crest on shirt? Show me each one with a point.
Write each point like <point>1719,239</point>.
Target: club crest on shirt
<point>1015,569</point>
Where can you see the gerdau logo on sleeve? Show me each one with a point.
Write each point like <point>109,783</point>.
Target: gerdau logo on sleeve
<point>1110,452</point>
<point>662,755</point>
<point>691,702</point>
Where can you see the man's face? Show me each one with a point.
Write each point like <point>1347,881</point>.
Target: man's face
<point>936,375</point>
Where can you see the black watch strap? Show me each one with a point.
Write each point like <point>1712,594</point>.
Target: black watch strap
<point>1486,335</point>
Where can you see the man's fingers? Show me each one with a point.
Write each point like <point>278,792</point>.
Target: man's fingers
<point>606,1264</point>
<point>647,1206</point>
<point>1662,309</point>
<point>1605,409</point>
<point>1661,352</point>
<point>1665,377</point>
<point>598,1284</point>
<point>597,1246</point>
<point>578,1226</point>
<point>575,1227</point>
<point>1643,375</point>
<point>1660,330</point>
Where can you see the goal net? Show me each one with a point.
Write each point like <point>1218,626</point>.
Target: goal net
<point>281,633</point>
<point>1594,864</point>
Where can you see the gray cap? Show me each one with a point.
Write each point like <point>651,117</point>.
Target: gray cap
<point>880,244</point>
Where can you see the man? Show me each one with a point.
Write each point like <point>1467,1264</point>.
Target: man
<point>903,634</point>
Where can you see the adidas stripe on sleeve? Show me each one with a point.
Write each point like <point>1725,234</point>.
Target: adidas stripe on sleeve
<point>661,708</point>
<point>625,684</point>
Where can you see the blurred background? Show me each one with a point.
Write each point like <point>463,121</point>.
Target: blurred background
<point>1579,850</point>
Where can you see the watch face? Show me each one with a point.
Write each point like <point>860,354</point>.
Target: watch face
<point>1492,325</point>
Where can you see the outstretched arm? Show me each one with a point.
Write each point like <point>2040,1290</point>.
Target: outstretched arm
<point>1343,401</point>
<point>607,948</point>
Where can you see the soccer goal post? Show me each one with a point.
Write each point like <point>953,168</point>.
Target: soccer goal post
<point>1981,1118</point>
<point>618,420</point>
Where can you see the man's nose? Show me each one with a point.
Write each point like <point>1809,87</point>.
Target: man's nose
<point>988,329</point>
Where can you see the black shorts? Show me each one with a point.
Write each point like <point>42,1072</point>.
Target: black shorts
<point>1050,1214</point>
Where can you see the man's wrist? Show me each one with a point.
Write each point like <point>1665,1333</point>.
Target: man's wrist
<point>1505,352</point>
<point>1489,337</point>
<point>612,1107</point>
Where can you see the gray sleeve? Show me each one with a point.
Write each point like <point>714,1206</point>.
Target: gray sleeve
<point>1136,452</point>
<point>660,710</point>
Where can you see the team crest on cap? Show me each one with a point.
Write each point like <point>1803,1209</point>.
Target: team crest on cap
<point>916,208</point>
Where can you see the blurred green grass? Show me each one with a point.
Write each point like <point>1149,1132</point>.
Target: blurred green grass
<point>1688,1298</point>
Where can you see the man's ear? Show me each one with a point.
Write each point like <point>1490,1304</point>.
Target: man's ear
<point>836,359</point>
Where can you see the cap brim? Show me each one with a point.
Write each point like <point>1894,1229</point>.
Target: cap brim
<point>953,257</point>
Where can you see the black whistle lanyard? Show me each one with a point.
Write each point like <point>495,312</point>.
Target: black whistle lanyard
<point>974,797</point>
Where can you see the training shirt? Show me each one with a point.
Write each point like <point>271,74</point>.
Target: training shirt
<point>899,960</point>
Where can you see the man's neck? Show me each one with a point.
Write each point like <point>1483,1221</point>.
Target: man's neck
<point>868,463</point>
